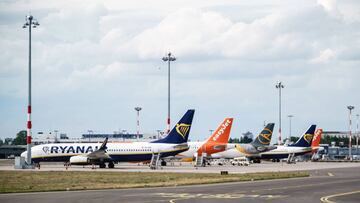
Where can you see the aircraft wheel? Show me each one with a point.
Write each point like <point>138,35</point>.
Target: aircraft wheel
<point>111,165</point>
<point>163,163</point>
<point>102,165</point>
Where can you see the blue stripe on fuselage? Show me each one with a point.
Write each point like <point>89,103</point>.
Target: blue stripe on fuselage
<point>279,156</point>
<point>114,157</point>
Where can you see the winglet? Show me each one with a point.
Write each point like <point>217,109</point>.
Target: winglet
<point>264,138</point>
<point>103,145</point>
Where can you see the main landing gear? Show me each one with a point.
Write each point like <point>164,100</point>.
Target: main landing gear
<point>111,165</point>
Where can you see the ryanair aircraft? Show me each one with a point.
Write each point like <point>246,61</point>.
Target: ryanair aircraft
<point>100,154</point>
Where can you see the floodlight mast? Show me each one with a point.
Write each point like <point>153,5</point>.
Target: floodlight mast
<point>168,58</point>
<point>350,144</point>
<point>279,86</point>
<point>31,23</point>
<point>290,116</point>
<point>138,109</point>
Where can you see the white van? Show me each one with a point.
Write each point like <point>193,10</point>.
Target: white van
<point>240,161</point>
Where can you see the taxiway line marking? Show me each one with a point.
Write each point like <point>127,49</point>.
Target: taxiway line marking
<point>326,198</point>
<point>305,185</point>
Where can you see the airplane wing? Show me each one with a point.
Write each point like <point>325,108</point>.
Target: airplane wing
<point>100,153</point>
<point>96,157</point>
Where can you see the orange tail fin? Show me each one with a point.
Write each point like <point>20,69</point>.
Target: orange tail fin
<point>316,139</point>
<point>218,140</point>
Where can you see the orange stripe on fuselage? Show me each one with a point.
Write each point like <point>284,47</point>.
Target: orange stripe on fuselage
<point>218,140</point>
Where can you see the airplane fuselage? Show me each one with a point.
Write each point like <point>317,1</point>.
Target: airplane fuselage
<point>282,152</point>
<point>118,152</point>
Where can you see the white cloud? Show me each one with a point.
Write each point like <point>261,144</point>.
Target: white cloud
<point>324,56</point>
<point>103,58</point>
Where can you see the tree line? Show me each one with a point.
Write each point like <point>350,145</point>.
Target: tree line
<point>20,139</point>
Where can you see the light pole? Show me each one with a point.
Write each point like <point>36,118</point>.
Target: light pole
<point>211,132</point>
<point>350,109</point>
<point>90,132</point>
<point>168,58</point>
<point>138,109</point>
<point>279,86</point>
<point>31,23</point>
<point>357,134</point>
<point>158,133</point>
<point>56,139</point>
<point>290,116</point>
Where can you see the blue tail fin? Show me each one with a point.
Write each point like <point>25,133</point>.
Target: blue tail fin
<point>180,133</point>
<point>264,138</point>
<point>306,139</point>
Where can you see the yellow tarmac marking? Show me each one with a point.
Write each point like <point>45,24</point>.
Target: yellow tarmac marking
<point>187,196</point>
<point>306,185</point>
<point>326,198</point>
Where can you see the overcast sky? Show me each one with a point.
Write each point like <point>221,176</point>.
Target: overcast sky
<point>94,61</point>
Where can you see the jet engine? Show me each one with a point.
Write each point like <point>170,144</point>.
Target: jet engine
<point>79,160</point>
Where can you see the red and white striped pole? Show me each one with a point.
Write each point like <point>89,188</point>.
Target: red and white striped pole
<point>31,23</point>
<point>29,125</point>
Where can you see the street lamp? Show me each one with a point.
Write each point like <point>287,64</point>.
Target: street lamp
<point>279,86</point>
<point>350,109</point>
<point>357,134</point>
<point>211,132</point>
<point>31,23</point>
<point>138,109</point>
<point>290,116</point>
<point>56,138</point>
<point>168,58</point>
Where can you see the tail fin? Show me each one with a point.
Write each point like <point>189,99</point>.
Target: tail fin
<point>306,139</point>
<point>180,133</point>
<point>316,139</point>
<point>222,133</point>
<point>218,140</point>
<point>264,138</point>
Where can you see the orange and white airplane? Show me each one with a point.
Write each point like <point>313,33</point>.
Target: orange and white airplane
<point>217,142</point>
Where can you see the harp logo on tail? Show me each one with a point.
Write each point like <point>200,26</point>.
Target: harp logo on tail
<point>182,129</point>
<point>308,137</point>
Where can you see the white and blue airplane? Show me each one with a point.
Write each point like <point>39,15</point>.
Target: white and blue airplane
<point>301,147</point>
<point>101,153</point>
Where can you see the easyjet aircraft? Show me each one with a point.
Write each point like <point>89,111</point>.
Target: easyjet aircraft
<point>217,142</point>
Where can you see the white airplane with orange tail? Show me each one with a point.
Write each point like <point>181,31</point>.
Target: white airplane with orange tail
<point>217,142</point>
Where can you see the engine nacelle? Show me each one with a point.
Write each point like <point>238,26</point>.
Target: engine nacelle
<point>79,160</point>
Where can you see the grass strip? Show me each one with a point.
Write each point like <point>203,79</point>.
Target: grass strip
<point>41,181</point>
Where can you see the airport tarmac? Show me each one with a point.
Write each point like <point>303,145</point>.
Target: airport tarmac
<point>325,185</point>
<point>189,168</point>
